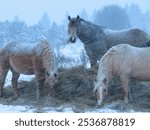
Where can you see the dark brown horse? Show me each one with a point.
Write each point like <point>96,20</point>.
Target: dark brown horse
<point>97,39</point>
<point>33,58</point>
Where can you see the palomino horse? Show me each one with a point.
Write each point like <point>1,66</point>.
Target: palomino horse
<point>24,58</point>
<point>97,40</point>
<point>125,61</point>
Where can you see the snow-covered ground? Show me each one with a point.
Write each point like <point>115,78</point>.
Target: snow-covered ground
<point>21,78</point>
<point>28,109</point>
<point>62,108</point>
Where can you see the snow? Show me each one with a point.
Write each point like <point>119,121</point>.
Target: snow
<point>21,78</point>
<point>72,50</point>
<point>73,54</point>
<point>14,109</point>
<point>61,109</point>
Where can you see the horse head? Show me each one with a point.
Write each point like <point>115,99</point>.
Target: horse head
<point>101,89</point>
<point>51,80</point>
<point>72,28</point>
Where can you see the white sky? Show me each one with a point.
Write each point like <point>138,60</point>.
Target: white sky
<point>32,10</point>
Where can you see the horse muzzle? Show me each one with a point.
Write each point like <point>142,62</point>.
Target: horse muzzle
<point>73,39</point>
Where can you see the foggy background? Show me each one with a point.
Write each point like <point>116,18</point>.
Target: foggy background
<point>32,20</point>
<point>29,21</point>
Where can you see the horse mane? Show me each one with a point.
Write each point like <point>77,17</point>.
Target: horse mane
<point>89,32</point>
<point>48,56</point>
<point>108,55</point>
<point>92,24</point>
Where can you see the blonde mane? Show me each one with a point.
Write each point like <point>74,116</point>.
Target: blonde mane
<point>103,68</point>
<point>48,57</point>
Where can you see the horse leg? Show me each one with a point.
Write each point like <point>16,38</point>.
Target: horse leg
<point>4,67</point>
<point>39,84</point>
<point>130,94</point>
<point>125,81</point>
<point>14,81</point>
<point>39,75</point>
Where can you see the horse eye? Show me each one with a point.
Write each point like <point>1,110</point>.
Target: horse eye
<point>55,75</point>
<point>95,80</point>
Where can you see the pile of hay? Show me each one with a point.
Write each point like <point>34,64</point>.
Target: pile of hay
<point>76,82</point>
<point>75,86</point>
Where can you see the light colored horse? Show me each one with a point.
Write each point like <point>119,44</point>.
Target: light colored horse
<point>28,58</point>
<point>125,61</point>
<point>97,39</point>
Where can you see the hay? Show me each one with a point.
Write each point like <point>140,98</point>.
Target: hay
<point>75,87</point>
<point>76,82</point>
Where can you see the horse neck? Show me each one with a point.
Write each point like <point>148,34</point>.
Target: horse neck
<point>87,32</point>
<point>105,69</point>
<point>49,60</point>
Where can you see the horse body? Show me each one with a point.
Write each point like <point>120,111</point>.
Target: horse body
<point>23,65</point>
<point>133,36</point>
<point>97,40</point>
<point>125,61</point>
<point>23,56</point>
<point>28,59</point>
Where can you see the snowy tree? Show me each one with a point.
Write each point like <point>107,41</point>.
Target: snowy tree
<point>137,17</point>
<point>34,33</point>
<point>44,22</point>
<point>4,27</point>
<point>17,30</point>
<point>84,15</point>
<point>53,32</point>
<point>113,17</point>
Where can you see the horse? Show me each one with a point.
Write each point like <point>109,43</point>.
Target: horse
<point>28,58</point>
<point>127,62</point>
<point>97,39</point>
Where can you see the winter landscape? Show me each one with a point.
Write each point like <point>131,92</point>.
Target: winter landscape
<point>74,92</point>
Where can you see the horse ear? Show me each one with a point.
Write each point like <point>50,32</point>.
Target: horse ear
<point>69,18</point>
<point>78,17</point>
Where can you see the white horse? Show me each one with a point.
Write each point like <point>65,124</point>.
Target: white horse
<point>125,61</point>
